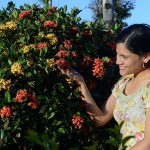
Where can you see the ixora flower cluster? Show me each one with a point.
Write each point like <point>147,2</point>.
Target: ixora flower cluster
<point>35,43</point>
<point>21,95</point>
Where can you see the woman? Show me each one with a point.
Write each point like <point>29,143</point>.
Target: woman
<point>130,99</point>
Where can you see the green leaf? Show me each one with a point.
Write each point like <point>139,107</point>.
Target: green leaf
<point>58,123</point>
<point>65,9</point>
<point>51,116</point>
<point>53,145</point>
<point>57,14</point>
<point>29,74</point>
<point>126,139</point>
<point>22,40</point>
<point>116,26</point>
<point>113,142</point>
<point>42,17</point>
<point>9,62</point>
<point>37,22</point>
<point>15,13</point>
<point>33,137</point>
<point>102,21</point>
<point>7,96</point>
<point>40,97</point>
<point>89,23</point>
<point>92,147</point>
<point>78,113</point>
<point>61,130</point>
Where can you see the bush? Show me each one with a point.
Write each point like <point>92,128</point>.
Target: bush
<point>35,43</point>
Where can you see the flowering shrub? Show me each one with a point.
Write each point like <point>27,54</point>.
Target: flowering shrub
<point>35,43</point>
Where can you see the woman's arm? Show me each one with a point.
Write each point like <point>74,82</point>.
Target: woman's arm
<point>144,144</point>
<point>100,117</point>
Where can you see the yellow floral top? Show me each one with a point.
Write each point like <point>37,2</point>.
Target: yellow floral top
<point>131,110</point>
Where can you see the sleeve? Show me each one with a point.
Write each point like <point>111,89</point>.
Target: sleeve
<point>146,95</point>
<point>117,87</point>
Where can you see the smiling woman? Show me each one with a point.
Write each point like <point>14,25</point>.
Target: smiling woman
<point>129,102</point>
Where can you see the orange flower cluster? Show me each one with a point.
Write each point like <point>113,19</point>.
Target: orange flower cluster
<point>62,53</point>
<point>50,24</point>
<point>87,33</point>
<point>31,98</point>
<point>62,64</point>
<point>74,30</point>
<point>24,14</point>
<point>21,95</point>
<point>5,112</point>
<point>53,8</point>
<point>98,68</point>
<point>41,45</point>
<point>77,121</point>
<point>74,54</point>
<point>32,101</point>
<point>67,44</point>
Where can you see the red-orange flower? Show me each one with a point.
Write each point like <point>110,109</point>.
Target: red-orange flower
<point>67,44</point>
<point>24,14</point>
<point>87,33</point>
<point>53,8</point>
<point>98,68</point>
<point>50,24</point>
<point>32,101</point>
<point>74,30</point>
<point>5,112</point>
<point>78,121</point>
<point>62,53</point>
<point>62,64</point>
<point>74,54</point>
<point>31,98</point>
<point>41,45</point>
<point>21,95</point>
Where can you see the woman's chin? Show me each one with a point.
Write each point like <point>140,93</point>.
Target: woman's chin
<point>123,73</point>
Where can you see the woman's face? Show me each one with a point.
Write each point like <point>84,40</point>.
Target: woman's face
<point>128,62</point>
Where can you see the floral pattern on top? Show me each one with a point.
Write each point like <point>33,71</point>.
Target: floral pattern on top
<point>131,110</point>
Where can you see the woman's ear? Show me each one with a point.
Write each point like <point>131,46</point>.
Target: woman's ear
<point>146,58</point>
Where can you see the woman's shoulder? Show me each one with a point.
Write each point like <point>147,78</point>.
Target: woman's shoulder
<point>120,84</point>
<point>125,78</point>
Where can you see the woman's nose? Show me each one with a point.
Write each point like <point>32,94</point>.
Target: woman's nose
<point>118,61</point>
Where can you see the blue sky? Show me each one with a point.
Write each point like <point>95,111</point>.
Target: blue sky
<point>140,14</point>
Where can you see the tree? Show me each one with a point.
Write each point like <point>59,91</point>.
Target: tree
<point>108,15</point>
<point>118,10</point>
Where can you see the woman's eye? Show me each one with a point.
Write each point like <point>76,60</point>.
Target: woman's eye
<point>125,57</point>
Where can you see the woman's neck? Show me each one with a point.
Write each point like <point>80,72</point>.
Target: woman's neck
<point>142,75</point>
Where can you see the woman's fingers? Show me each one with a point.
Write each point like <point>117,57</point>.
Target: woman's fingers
<point>73,74</point>
<point>63,71</point>
<point>66,72</point>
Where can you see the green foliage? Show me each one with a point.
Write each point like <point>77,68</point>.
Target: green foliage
<point>34,43</point>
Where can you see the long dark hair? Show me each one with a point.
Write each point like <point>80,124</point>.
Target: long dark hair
<point>136,38</point>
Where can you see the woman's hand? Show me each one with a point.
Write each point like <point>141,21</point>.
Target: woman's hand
<point>71,73</point>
